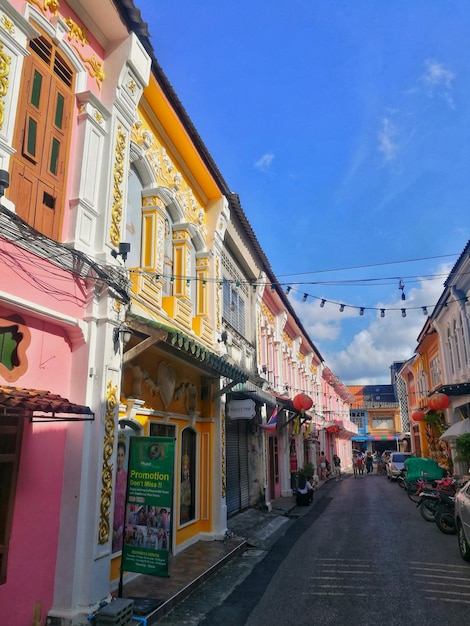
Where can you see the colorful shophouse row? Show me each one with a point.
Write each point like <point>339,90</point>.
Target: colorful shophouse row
<point>134,300</point>
<point>71,80</point>
<point>437,377</point>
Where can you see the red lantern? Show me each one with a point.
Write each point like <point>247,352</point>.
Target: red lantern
<point>302,402</point>
<point>438,401</point>
<point>417,416</point>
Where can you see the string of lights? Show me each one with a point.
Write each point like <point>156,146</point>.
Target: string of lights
<point>299,286</point>
<point>234,284</point>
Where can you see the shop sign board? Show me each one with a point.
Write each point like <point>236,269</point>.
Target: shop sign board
<point>149,501</point>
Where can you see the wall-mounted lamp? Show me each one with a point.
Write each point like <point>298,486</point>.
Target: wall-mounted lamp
<point>123,332</point>
<point>4,182</point>
<point>223,337</point>
<point>124,249</point>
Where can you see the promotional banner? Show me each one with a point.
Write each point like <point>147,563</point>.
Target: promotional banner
<point>148,505</point>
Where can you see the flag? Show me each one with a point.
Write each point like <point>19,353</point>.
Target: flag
<point>272,421</point>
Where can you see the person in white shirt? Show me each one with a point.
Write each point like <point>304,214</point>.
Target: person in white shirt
<point>304,491</point>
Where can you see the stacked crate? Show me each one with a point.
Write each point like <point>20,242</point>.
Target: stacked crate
<point>116,613</point>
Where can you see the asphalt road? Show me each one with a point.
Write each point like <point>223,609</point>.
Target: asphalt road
<point>362,555</point>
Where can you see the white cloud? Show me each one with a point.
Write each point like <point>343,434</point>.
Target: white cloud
<point>387,140</point>
<point>368,356</point>
<point>264,163</point>
<point>438,80</point>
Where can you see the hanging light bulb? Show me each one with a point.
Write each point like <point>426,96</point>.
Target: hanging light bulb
<point>403,312</point>
<point>272,286</point>
<point>322,303</point>
<point>361,311</point>
<point>382,312</point>
<point>288,290</point>
<point>401,285</point>
<point>304,299</point>
<point>425,311</point>
<point>341,308</point>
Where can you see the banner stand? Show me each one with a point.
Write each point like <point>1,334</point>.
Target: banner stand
<point>149,499</point>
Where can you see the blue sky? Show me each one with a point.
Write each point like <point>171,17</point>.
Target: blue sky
<point>344,128</point>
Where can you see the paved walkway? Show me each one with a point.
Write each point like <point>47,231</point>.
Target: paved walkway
<point>250,529</point>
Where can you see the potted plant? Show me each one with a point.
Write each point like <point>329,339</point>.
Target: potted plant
<point>462,446</point>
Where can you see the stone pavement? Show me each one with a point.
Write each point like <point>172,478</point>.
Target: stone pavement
<point>249,532</point>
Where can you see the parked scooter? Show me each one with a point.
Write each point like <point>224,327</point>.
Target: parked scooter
<point>438,506</point>
<point>429,500</point>
<point>445,517</point>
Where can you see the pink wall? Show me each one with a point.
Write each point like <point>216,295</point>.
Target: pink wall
<point>33,545</point>
<point>50,359</point>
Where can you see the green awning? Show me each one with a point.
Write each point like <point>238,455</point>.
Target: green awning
<point>182,342</point>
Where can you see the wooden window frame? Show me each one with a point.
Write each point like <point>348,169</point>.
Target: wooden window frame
<point>11,428</point>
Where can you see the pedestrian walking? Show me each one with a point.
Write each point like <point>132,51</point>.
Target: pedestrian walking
<point>337,466</point>
<point>369,462</point>
<point>322,461</point>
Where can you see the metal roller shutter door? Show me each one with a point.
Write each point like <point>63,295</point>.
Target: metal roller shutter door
<point>236,444</point>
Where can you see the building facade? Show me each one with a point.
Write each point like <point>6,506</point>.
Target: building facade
<point>71,80</point>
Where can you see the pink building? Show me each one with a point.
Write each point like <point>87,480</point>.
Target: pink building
<point>70,84</point>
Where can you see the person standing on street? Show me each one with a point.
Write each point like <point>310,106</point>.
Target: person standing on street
<point>322,461</point>
<point>369,462</point>
<point>337,466</point>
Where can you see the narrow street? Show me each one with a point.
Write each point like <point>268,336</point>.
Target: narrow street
<point>362,555</point>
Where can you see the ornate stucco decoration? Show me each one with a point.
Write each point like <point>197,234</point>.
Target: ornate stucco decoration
<point>168,175</point>
<point>107,467</point>
<point>8,25</point>
<point>47,5</point>
<point>76,32</point>
<point>4,71</point>
<point>94,67</point>
<point>118,177</point>
<point>267,314</point>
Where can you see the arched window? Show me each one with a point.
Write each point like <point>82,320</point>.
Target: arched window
<point>42,138</point>
<point>449,349</point>
<point>188,476</point>
<point>464,342</point>
<point>167,284</point>
<point>456,344</point>
<point>134,218</point>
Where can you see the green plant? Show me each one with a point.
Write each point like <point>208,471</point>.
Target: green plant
<point>462,446</point>
<point>308,470</point>
<point>435,418</point>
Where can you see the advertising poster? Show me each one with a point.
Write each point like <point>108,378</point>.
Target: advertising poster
<point>148,505</point>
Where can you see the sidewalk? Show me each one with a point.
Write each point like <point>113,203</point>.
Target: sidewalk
<point>253,528</point>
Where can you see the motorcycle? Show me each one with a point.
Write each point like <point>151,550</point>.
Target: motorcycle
<point>439,506</point>
<point>445,517</point>
<point>429,501</point>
